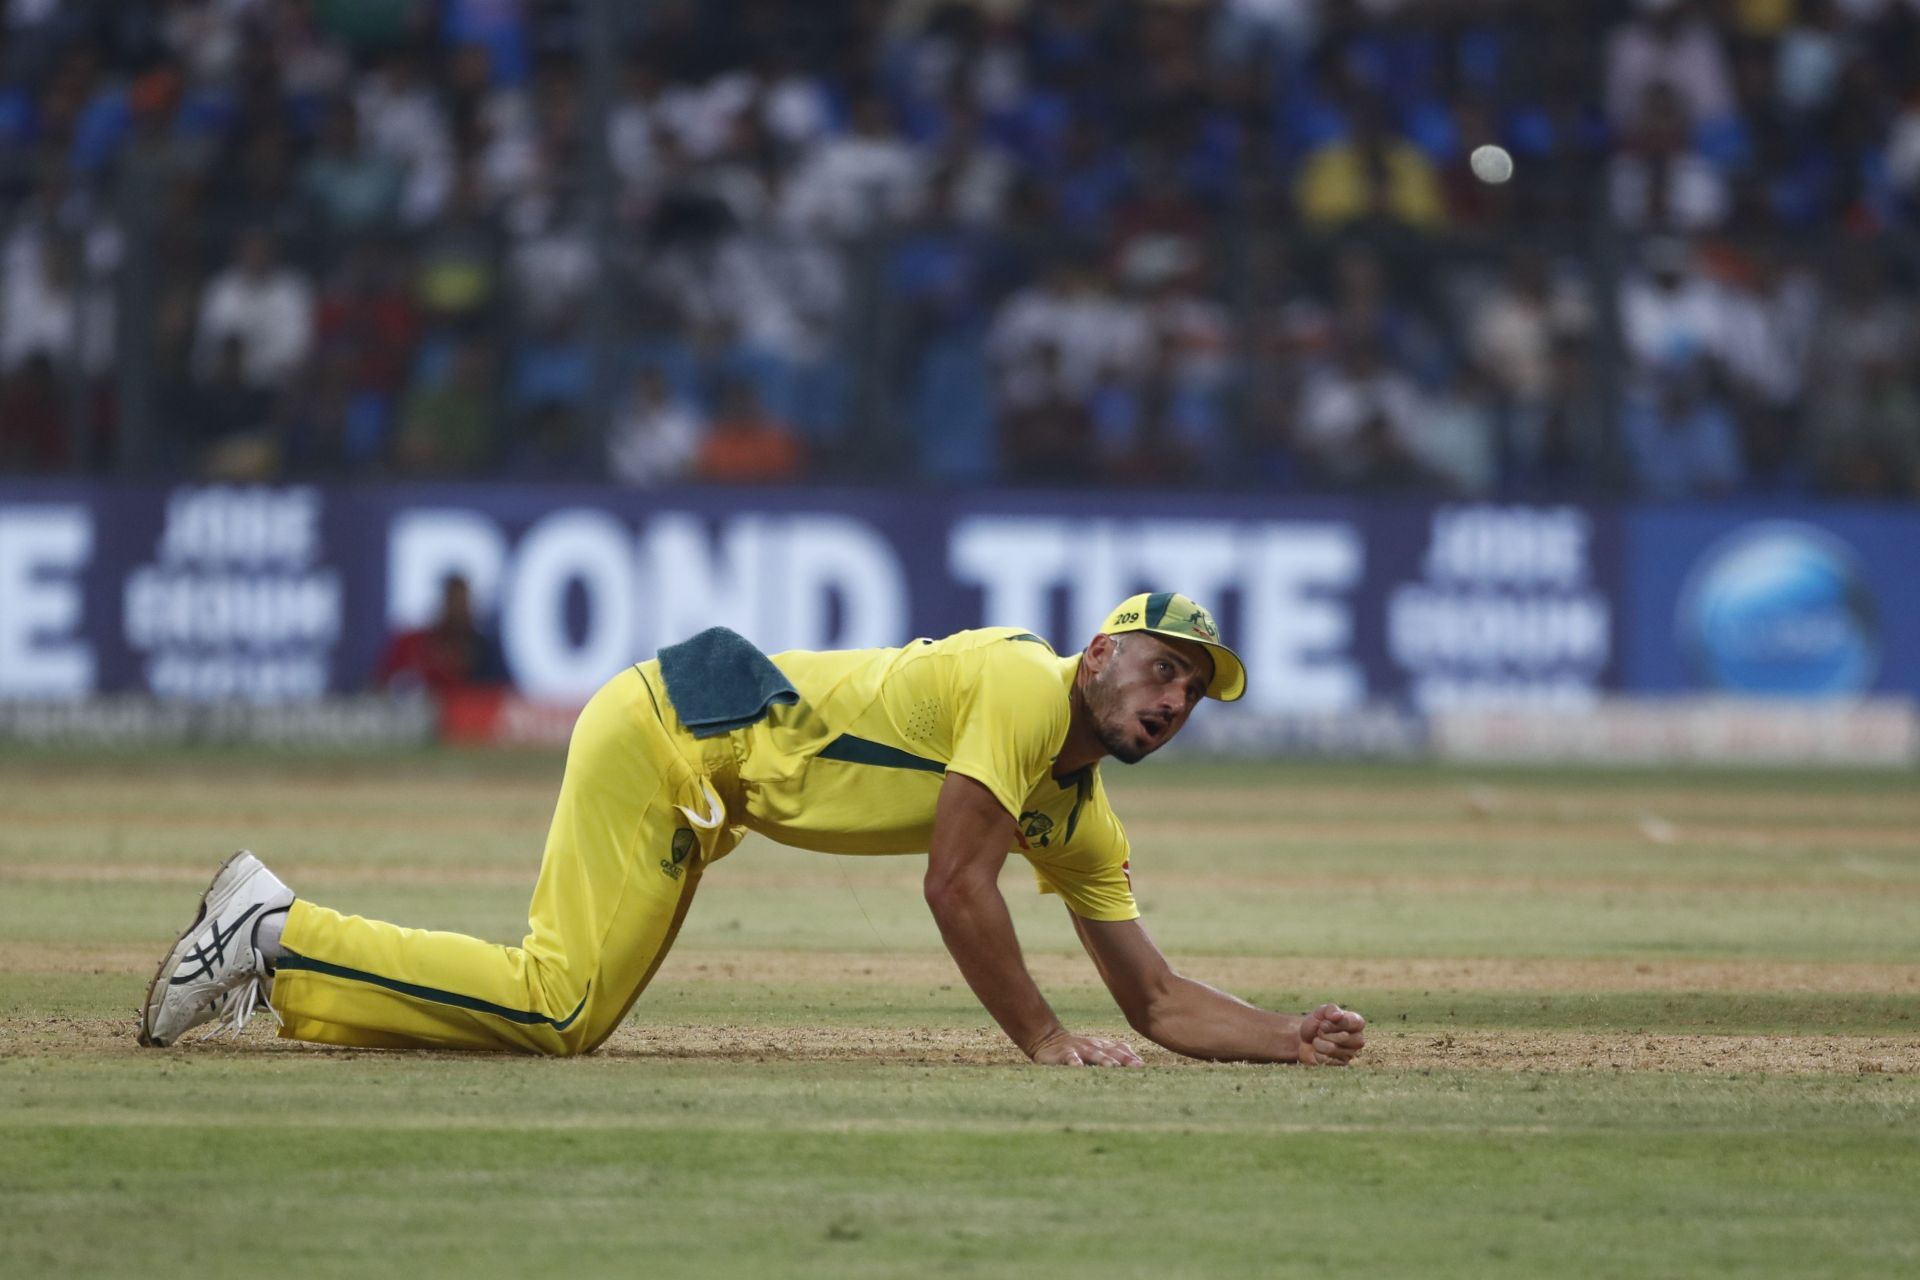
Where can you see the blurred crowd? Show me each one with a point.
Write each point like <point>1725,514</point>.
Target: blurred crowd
<point>1211,243</point>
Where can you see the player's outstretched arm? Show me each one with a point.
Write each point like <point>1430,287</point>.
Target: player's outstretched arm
<point>971,836</point>
<point>1200,1021</point>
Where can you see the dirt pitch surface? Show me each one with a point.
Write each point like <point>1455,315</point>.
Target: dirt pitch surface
<point>1241,973</point>
<point>1389,1049</point>
<point>95,1038</point>
<point>1234,973</point>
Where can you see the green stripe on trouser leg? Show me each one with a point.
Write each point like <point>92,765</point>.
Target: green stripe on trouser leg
<point>608,904</point>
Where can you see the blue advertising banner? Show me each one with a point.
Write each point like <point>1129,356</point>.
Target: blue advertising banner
<point>281,594</point>
<point>191,594</point>
<point>1800,602</point>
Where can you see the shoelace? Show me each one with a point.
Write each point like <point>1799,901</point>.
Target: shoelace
<point>235,1005</point>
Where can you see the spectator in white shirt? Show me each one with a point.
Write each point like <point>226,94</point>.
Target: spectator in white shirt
<point>860,181</point>
<point>269,307</point>
<point>403,119</point>
<point>1670,305</point>
<point>1810,55</point>
<point>701,116</point>
<point>1514,327</point>
<point>1768,330</point>
<point>205,36</point>
<point>1356,416</point>
<point>794,107</point>
<point>655,434</point>
<point>1668,44</point>
<point>1903,154</point>
<point>1061,334</point>
<point>1657,181</point>
<point>40,303</point>
<point>636,144</point>
<point>1455,438</point>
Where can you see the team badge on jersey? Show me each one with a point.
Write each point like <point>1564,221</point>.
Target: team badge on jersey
<point>1036,828</point>
<point>683,842</point>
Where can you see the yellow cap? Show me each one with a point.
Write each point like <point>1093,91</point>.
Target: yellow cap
<point>1169,614</point>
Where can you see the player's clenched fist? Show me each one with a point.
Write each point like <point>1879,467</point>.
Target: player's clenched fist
<point>1330,1036</point>
<point>1062,1049</point>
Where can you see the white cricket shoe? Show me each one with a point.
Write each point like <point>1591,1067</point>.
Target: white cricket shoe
<point>214,970</point>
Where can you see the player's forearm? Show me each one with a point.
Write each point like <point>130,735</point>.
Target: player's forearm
<point>978,931</point>
<point>1199,1021</point>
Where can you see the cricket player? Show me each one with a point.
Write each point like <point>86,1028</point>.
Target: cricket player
<point>970,748</point>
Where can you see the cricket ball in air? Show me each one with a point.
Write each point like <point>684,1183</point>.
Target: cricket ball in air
<point>1491,164</point>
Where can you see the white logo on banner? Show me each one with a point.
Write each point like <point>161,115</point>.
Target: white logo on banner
<point>42,552</point>
<point>1292,578</point>
<point>236,606</point>
<point>1507,614</point>
<point>784,582</point>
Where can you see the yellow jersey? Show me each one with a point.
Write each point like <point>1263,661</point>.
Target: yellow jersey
<point>856,765</point>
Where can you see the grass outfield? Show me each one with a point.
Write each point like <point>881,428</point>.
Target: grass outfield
<point>1625,1024</point>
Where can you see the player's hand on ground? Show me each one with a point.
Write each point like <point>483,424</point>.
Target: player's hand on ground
<point>1330,1036</point>
<point>1064,1049</point>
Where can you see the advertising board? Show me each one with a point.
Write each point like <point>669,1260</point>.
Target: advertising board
<point>1777,602</point>
<point>276,595</point>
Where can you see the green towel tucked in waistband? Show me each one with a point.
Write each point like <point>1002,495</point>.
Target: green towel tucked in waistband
<point>719,682</point>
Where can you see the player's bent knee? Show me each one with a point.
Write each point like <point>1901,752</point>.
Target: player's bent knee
<point>575,1039</point>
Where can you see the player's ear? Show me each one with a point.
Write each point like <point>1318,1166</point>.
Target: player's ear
<point>1100,651</point>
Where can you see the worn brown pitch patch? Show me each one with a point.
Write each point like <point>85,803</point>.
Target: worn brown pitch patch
<point>1313,973</point>
<point>640,1041</point>
<point>1719,1055</point>
<point>911,969</point>
<point>1389,1051</point>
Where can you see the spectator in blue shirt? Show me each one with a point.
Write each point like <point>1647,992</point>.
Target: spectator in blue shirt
<point>1680,436</point>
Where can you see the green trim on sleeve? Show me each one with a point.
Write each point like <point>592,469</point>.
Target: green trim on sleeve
<point>1083,786</point>
<point>855,750</point>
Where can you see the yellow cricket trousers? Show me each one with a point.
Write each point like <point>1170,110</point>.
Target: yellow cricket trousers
<point>621,865</point>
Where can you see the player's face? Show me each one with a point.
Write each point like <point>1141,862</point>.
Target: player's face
<point>1145,691</point>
